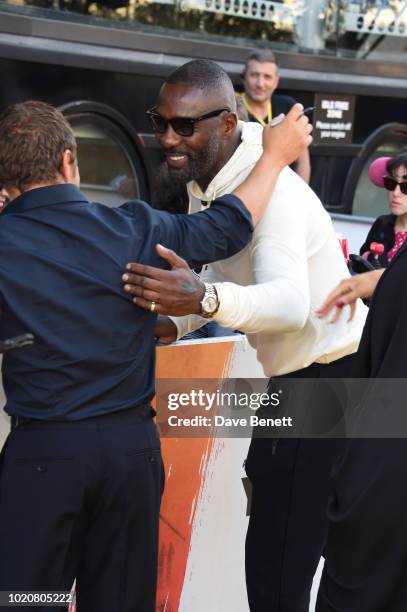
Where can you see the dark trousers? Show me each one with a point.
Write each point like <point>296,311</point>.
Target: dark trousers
<point>291,480</point>
<point>81,500</point>
<point>366,553</point>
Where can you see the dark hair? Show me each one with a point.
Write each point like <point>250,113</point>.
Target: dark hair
<point>205,75</point>
<point>33,137</point>
<point>264,56</point>
<point>396,162</point>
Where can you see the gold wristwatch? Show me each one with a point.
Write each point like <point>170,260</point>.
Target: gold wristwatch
<point>209,302</point>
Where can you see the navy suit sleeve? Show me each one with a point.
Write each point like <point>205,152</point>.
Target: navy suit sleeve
<point>206,236</point>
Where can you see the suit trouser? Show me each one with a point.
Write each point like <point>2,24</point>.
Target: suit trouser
<point>291,481</point>
<point>81,500</point>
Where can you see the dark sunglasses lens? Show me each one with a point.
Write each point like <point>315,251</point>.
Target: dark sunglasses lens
<point>158,123</point>
<point>389,183</point>
<point>182,127</point>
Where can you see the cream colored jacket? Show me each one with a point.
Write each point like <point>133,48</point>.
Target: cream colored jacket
<point>271,289</point>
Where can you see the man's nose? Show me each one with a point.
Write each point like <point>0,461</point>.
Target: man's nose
<point>169,138</point>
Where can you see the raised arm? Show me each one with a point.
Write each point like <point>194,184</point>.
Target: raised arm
<point>282,145</point>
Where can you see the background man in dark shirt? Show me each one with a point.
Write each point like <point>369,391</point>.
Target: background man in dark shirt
<point>260,81</point>
<point>81,471</point>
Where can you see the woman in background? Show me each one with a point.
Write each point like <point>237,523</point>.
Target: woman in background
<point>390,230</point>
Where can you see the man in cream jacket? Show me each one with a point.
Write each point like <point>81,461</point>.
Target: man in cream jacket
<point>270,291</point>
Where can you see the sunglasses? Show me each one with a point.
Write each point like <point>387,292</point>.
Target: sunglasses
<point>183,126</point>
<point>390,184</point>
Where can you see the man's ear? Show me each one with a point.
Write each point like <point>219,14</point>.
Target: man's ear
<point>68,168</point>
<point>230,123</point>
<point>10,194</point>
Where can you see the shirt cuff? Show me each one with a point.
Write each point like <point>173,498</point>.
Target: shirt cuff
<point>227,305</point>
<point>187,324</point>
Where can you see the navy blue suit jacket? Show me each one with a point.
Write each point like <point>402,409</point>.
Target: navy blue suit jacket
<point>61,262</point>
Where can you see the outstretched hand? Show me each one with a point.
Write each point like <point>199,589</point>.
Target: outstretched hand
<point>347,293</point>
<point>175,292</point>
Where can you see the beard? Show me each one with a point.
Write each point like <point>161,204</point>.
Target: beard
<point>167,194</point>
<point>169,190</point>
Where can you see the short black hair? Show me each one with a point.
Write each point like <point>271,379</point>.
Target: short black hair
<point>205,75</point>
<point>396,162</point>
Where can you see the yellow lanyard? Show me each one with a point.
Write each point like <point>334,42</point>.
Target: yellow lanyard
<point>249,108</point>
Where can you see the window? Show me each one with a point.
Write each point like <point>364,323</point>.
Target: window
<point>372,30</point>
<point>110,167</point>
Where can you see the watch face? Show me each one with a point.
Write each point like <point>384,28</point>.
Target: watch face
<point>210,304</point>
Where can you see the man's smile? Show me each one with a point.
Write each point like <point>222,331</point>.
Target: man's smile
<point>176,160</point>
